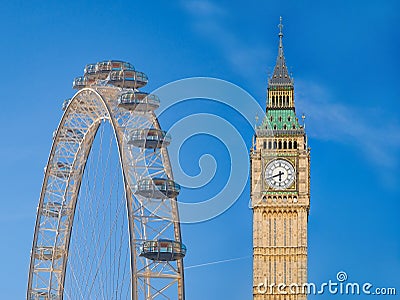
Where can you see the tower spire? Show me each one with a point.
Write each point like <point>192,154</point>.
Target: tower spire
<point>280,77</point>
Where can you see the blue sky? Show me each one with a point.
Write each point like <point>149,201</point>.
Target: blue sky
<point>344,58</point>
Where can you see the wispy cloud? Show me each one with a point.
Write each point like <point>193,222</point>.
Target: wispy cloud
<point>209,21</point>
<point>328,118</point>
<point>203,8</point>
<point>368,129</point>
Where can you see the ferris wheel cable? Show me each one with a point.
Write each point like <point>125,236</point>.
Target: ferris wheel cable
<point>94,217</point>
<point>119,280</point>
<point>126,277</point>
<point>117,254</point>
<point>112,250</point>
<point>102,257</point>
<point>88,195</point>
<point>109,211</point>
<point>70,293</point>
<point>119,257</point>
<point>79,290</point>
<point>114,263</point>
<point>76,253</point>
<point>93,189</point>
<point>89,188</point>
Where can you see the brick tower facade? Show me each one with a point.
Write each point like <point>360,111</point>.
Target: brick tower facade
<point>280,193</point>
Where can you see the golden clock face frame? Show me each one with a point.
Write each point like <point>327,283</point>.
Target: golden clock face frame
<point>279,174</point>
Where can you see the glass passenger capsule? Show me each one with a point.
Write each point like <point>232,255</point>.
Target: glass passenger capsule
<point>163,250</point>
<point>128,79</point>
<point>157,188</point>
<point>90,69</point>
<point>81,82</point>
<point>103,68</point>
<point>113,65</point>
<point>139,101</point>
<point>149,138</point>
<point>141,79</point>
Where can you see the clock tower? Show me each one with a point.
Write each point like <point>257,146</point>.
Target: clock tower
<point>280,193</point>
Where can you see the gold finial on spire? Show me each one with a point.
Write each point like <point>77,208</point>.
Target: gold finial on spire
<point>280,27</point>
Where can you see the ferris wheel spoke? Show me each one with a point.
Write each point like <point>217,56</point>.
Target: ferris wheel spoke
<point>101,259</point>
<point>88,196</point>
<point>117,260</point>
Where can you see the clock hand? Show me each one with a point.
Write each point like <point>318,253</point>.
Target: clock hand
<point>279,174</point>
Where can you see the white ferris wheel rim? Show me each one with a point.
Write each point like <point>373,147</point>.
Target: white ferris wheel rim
<point>94,105</point>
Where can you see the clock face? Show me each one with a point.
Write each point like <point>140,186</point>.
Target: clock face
<point>279,174</point>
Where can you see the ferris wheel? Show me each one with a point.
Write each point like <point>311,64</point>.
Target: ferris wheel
<point>107,223</point>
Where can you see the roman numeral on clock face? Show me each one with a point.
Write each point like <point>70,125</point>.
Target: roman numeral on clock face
<point>279,174</point>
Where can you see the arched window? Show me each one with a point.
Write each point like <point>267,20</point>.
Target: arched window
<point>274,127</point>
<point>269,145</point>
<point>295,145</point>
<point>280,100</point>
<point>288,118</point>
<point>294,126</point>
<point>285,143</point>
<point>280,119</point>
<point>287,100</point>
<point>290,144</point>
<point>271,118</point>
<point>265,145</point>
<point>274,144</point>
<point>273,100</point>
<point>280,145</point>
<point>284,126</point>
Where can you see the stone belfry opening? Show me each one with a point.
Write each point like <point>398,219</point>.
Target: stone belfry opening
<point>280,193</point>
